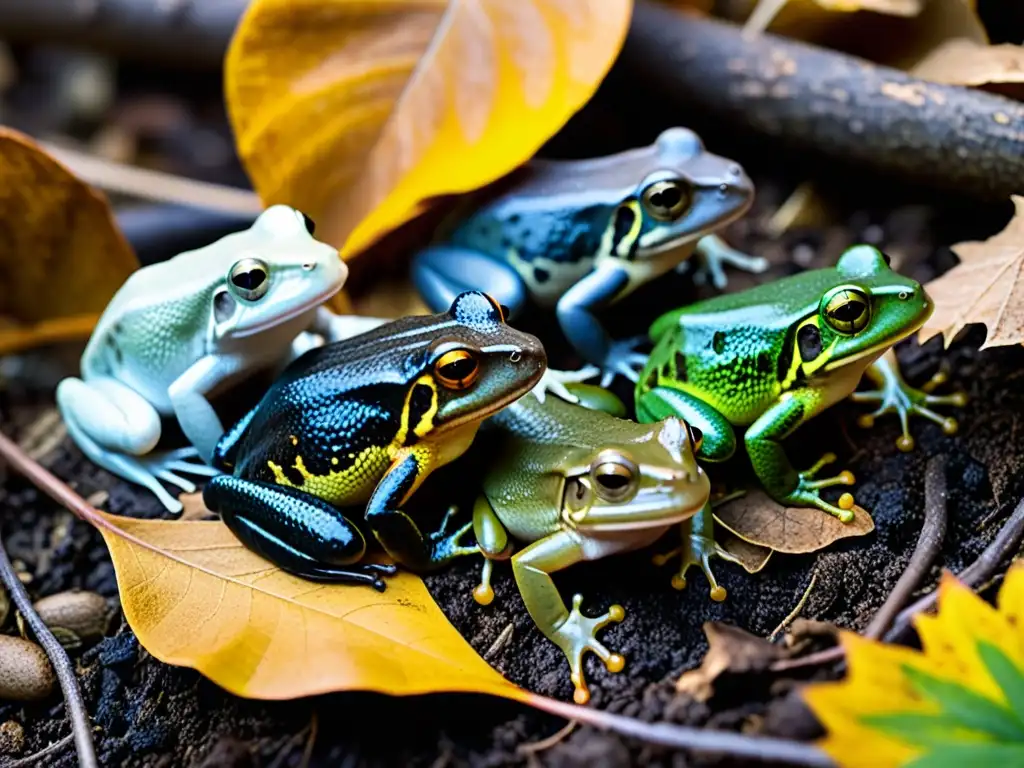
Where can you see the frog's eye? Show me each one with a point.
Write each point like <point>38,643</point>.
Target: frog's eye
<point>614,476</point>
<point>457,369</point>
<point>250,278</point>
<point>666,200</point>
<point>847,310</point>
<point>310,224</point>
<point>696,438</point>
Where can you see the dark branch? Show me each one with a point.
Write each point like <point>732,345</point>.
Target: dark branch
<point>838,106</point>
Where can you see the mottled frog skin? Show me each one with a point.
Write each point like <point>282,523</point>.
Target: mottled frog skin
<point>577,484</point>
<point>577,236</point>
<point>360,424</point>
<point>773,357</point>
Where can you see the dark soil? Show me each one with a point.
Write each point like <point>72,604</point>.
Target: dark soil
<point>150,714</point>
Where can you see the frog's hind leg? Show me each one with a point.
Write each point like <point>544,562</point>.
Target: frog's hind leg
<point>894,395</point>
<point>117,428</point>
<point>713,252</point>
<point>442,272</point>
<point>698,546</point>
<point>265,517</point>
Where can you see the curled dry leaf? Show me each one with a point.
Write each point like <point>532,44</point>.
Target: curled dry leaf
<point>61,255</point>
<point>730,649</point>
<point>758,519</point>
<point>752,557</point>
<point>358,112</point>
<point>196,597</point>
<point>985,287</point>
<point>967,62</point>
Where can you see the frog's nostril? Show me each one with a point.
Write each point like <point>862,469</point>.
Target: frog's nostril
<point>308,266</point>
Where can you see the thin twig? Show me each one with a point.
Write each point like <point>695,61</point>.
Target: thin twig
<point>539,746</point>
<point>37,758</point>
<point>681,737</point>
<point>153,185</point>
<point>314,727</point>
<point>929,542</point>
<point>796,611</point>
<point>1005,543</point>
<point>77,714</point>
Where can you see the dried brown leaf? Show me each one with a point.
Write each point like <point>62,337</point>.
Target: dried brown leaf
<point>732,650</point>
<point>758,519</point>
<point>985,287</point>
<point>193,507</point>
<point>752,557</point>
<point>967,62</point>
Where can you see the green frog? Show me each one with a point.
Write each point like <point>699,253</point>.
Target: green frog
<point>577,484</point>
<point>774,356</point>
<point>360,424</point>
<point>577,236</point>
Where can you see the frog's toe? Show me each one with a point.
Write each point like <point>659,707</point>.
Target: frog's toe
<point>484,592</point>
<point>577,635</point>
<point>699,552</point>
<point>446,544</point>
<point>554,381</point>
<point>896,397</point>
<point>623,360</point>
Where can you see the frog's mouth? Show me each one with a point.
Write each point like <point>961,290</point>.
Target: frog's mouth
<point>313,303</point>
<point>595,524</point>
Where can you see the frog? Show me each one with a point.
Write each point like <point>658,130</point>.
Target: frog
<point>177,331</point>
<point>576,236</point>
<point>577,484</point>
<point>351,429</point>
<point>771,358</point>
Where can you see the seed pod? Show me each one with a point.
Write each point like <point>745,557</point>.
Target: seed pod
<point>25,672</point>
<point>84,614</point>
<point>12,738</point>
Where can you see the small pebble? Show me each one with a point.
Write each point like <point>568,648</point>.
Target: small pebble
<point>12,738</point>
<point>84,613</point>
<point>25,672</point>
<point>803,255</point>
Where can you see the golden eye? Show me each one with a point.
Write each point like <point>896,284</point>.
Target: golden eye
<point>847,310</point>
<point>696,438</point>
<point>250,279</point>
<point>457,369</point>
<point>614,477</point>
<point>666,200</point>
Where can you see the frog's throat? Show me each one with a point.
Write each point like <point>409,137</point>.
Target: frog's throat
<point>876,349</point>
<point>313,303</point>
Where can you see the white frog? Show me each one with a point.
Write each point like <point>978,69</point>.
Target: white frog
<point>179,330</point>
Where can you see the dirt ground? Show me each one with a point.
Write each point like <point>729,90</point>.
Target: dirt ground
<point>150,714</point>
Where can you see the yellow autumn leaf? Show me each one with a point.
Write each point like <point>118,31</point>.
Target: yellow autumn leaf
<point>359,111</point>
<point>196,597</point>
<point>958,701</point>
<point>62,256</point>
<point>985,287</point>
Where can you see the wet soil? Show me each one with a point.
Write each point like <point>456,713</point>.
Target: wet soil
<point>150,714</point>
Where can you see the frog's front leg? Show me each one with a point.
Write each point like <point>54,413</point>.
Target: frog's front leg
<point>396,531</point>
<point>698,546</point>
<point>571,631</point>
<point>299,533</point>
<point>718,438</point>
<point>714,252</point>
<point>442,272</point>
<point>494,543</point>
<point>198,420</point>
<point>782,482</point>
<point>575,311</point>
<point>117,429</point>
<point>895,395</point>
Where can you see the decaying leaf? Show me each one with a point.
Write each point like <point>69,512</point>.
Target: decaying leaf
<point>752,557</point>
<point>62,256</point>
<point>193,508</point>
<point>985,287</point>
<point>967,62</point>
<point>358,112</point>
<point>759,519</point>
<point>196,597</point>
<point>959,701</point>
<point>730,649</point>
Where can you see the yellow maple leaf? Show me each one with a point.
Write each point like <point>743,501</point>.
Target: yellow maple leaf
<point>357,112</point>
<point>958,701</point>
<point>985,287</point>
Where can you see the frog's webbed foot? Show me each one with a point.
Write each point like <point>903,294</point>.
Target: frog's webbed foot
<point>697,548</point>
<point>808,490</point>
<point>554,382</point>
<point>577,635</point>
<point>445,543</point>
<point>623,360</point>
<point>713,252</point>
<point>894,395</point>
